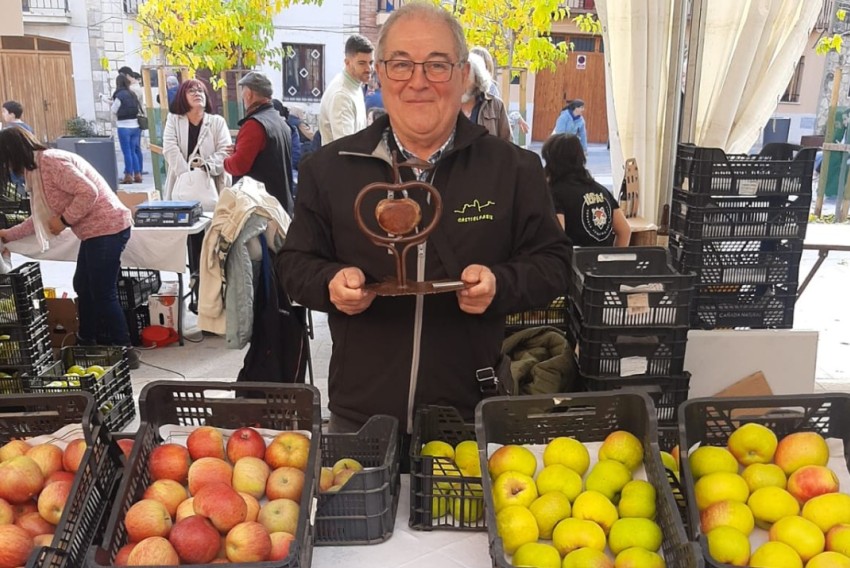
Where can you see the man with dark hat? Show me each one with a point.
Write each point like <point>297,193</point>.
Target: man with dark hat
<point>263,148</point>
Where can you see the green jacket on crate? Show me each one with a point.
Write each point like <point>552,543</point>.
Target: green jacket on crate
<point>541,361</point>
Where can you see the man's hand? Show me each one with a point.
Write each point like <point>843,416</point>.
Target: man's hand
<point>55,225</point>
<point>347,293</point>
<point>480,290</point>
<point>229,149</point>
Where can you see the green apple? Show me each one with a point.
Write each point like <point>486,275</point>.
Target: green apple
<point>569,452</point>
<point>637,500</point>
<point>549,510</point>
<point>95,370</point>
<point>516,526</point>
<point>513,488</point>
<point>438,449</point>
<point>537,554</point>
<point>608,477</point>
<point>560,478</point>
<point>76,370</point>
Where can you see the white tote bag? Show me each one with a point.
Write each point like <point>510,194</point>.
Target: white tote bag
<point>196,184</point>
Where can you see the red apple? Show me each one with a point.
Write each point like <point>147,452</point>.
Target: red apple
<point>223,506</point>
<point>245,442</point>
<point>153,551</point>
<point>195,539</point>
<point>51,501</point>
<point>248,542</point>
<point>281,542</point>
<point>185,509</point>
<point>800,449</point>
<point>13,449</point>
<point>73,455</point>
<point>169,461</point>
<point>20,479</point>
<point>285,483</point>
<point>205,442</point>
<point>59,476</point>
<point>147,518</point>
<point>253,506</point>
<point>123,554</point>
<point>22,509</point>
<point>168,492</point>
<point>810,481</point>
<point>16,548</point>
<point>209,470</point>
<point>48,457</point>
<point>280,515</point>
<point>289,449</point>
<point>126,445</point>
<point>35,525</point>
<point>7,513</point>
<point>250,475</point>
<point>42,540</point>
<point>326,479</point>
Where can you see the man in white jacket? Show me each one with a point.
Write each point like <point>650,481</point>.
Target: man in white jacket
<point>343,109</point>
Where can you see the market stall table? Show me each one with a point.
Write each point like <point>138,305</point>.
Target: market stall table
<point>824,239</point>
<point>407,548</point>
<point>150,248</point>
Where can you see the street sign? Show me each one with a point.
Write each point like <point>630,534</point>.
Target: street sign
<point>581,61</point>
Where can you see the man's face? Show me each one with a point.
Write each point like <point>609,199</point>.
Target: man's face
<point>247,97</point>
<point>6,115</point>
<point>359,66</point>
<point>420,109</point>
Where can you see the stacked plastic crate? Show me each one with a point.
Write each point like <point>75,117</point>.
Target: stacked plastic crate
<point>135,286</point>
<point>629,322</point>
<point>738,222</point>
<point>24,334</point>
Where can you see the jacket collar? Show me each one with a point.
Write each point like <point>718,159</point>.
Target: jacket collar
<point>259,108</point>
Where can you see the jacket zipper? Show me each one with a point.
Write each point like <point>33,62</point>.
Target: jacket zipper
<point>417,339</point>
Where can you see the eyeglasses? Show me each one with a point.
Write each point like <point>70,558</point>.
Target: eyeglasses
<point>199,90</point>
<point>435,71</point>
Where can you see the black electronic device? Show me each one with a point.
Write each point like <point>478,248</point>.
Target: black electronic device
<point>168,213</point>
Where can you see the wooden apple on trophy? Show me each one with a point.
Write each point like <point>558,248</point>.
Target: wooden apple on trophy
<point>400,217</point>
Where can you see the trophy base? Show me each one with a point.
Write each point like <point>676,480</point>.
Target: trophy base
<point>391,287</point>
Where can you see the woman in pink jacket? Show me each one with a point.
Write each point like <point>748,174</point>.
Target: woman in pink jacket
<point>67,192</point>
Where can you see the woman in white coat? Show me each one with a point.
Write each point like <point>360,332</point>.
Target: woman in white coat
<point>189,121</point>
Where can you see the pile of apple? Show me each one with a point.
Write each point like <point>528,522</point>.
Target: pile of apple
<point>333,478</point>
<point>35,482</point>
<point>465,504</point>
<point>203,504</point>
<point>75,373</point>
<point>578,516</point>
<point>782,486</point>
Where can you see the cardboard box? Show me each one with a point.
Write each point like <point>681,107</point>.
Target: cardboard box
<point>62,321</point>
<point>132,199</point>
<point>751,385</point>
<point>163,306</point>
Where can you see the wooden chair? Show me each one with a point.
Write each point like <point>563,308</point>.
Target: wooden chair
<point>644,233</point>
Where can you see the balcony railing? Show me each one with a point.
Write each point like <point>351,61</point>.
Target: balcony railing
<point>825,16</point>
<point>578,6</point>
<point>45,7</point>
<point>131,6</point>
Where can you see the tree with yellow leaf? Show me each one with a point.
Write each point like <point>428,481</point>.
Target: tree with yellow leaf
<point>211,34</point>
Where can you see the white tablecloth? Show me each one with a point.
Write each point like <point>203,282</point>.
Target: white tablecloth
<point>408,548</point>
<point>153,248</point>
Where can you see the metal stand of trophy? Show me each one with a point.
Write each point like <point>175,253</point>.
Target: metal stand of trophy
<point>400,217</point>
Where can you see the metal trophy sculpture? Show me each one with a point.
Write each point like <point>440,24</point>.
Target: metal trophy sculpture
<point>400,217</point>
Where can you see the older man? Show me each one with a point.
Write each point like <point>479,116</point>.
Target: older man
<point>498,234</point>
<point>263,148</point>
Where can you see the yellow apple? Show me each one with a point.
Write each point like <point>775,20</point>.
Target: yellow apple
<point>568,452</point>
<point>571,534</point>
<point>720,486</point>
<point>438,449</point>
<point>638,558</point>
<point>711,459</point>
<point>760,475</point>
<point>596,507</point>
<point>728,546</point>
<point>538,555</point>
<point>828,510</point>
<point>775,555</point>
<point>466,458</point>
<point>637,499</point>
<point>624,447</point>
<point>512,458</point>
<point>516,526</point>
<point>549,510</point>
<point>587,558</point>
<point>800,534</point>
<point>558,477</point>
<point>513,488</point>
<point>829,560</point>
<point>752,443</point>
<point>608,477</point>
<point>838,539</point>
<point>769,504</point>
<point>727,514</point>
<point>799,449</point>
<point>626,533</point>
<point>669,461</point>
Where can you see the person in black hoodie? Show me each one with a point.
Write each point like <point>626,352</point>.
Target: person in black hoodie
<point>125,106</point>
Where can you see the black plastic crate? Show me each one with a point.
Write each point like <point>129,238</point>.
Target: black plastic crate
<point>22,295</point>
<point>26,416</point>
<point>113,391</point>
<point>14,207</point>
<point>711,171</point>
<point>445,424</point>
<point>744,306</point>
<point>554,315</point>
<point>13,378</point>
<point>587,418</point>
<point>25,345</point>
<point>363,510</point>
<point>738,217</point>
<point>667,392</point>
<point>774,261</point>
<point>628,352</point>
<point>137,320</point>
<point>629,287</point>
<point>223,405</point>
<point>710,421</point>
<point>135,285</point>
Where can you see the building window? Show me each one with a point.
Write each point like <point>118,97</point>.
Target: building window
<point>583,43</point>
<point>792,92</point>
<point>303,72</point>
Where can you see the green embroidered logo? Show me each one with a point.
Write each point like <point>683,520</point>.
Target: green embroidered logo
<point>473,212</point>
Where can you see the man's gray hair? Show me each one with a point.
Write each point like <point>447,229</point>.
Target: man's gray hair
<point>425,10</point>
<point>481,78</point>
